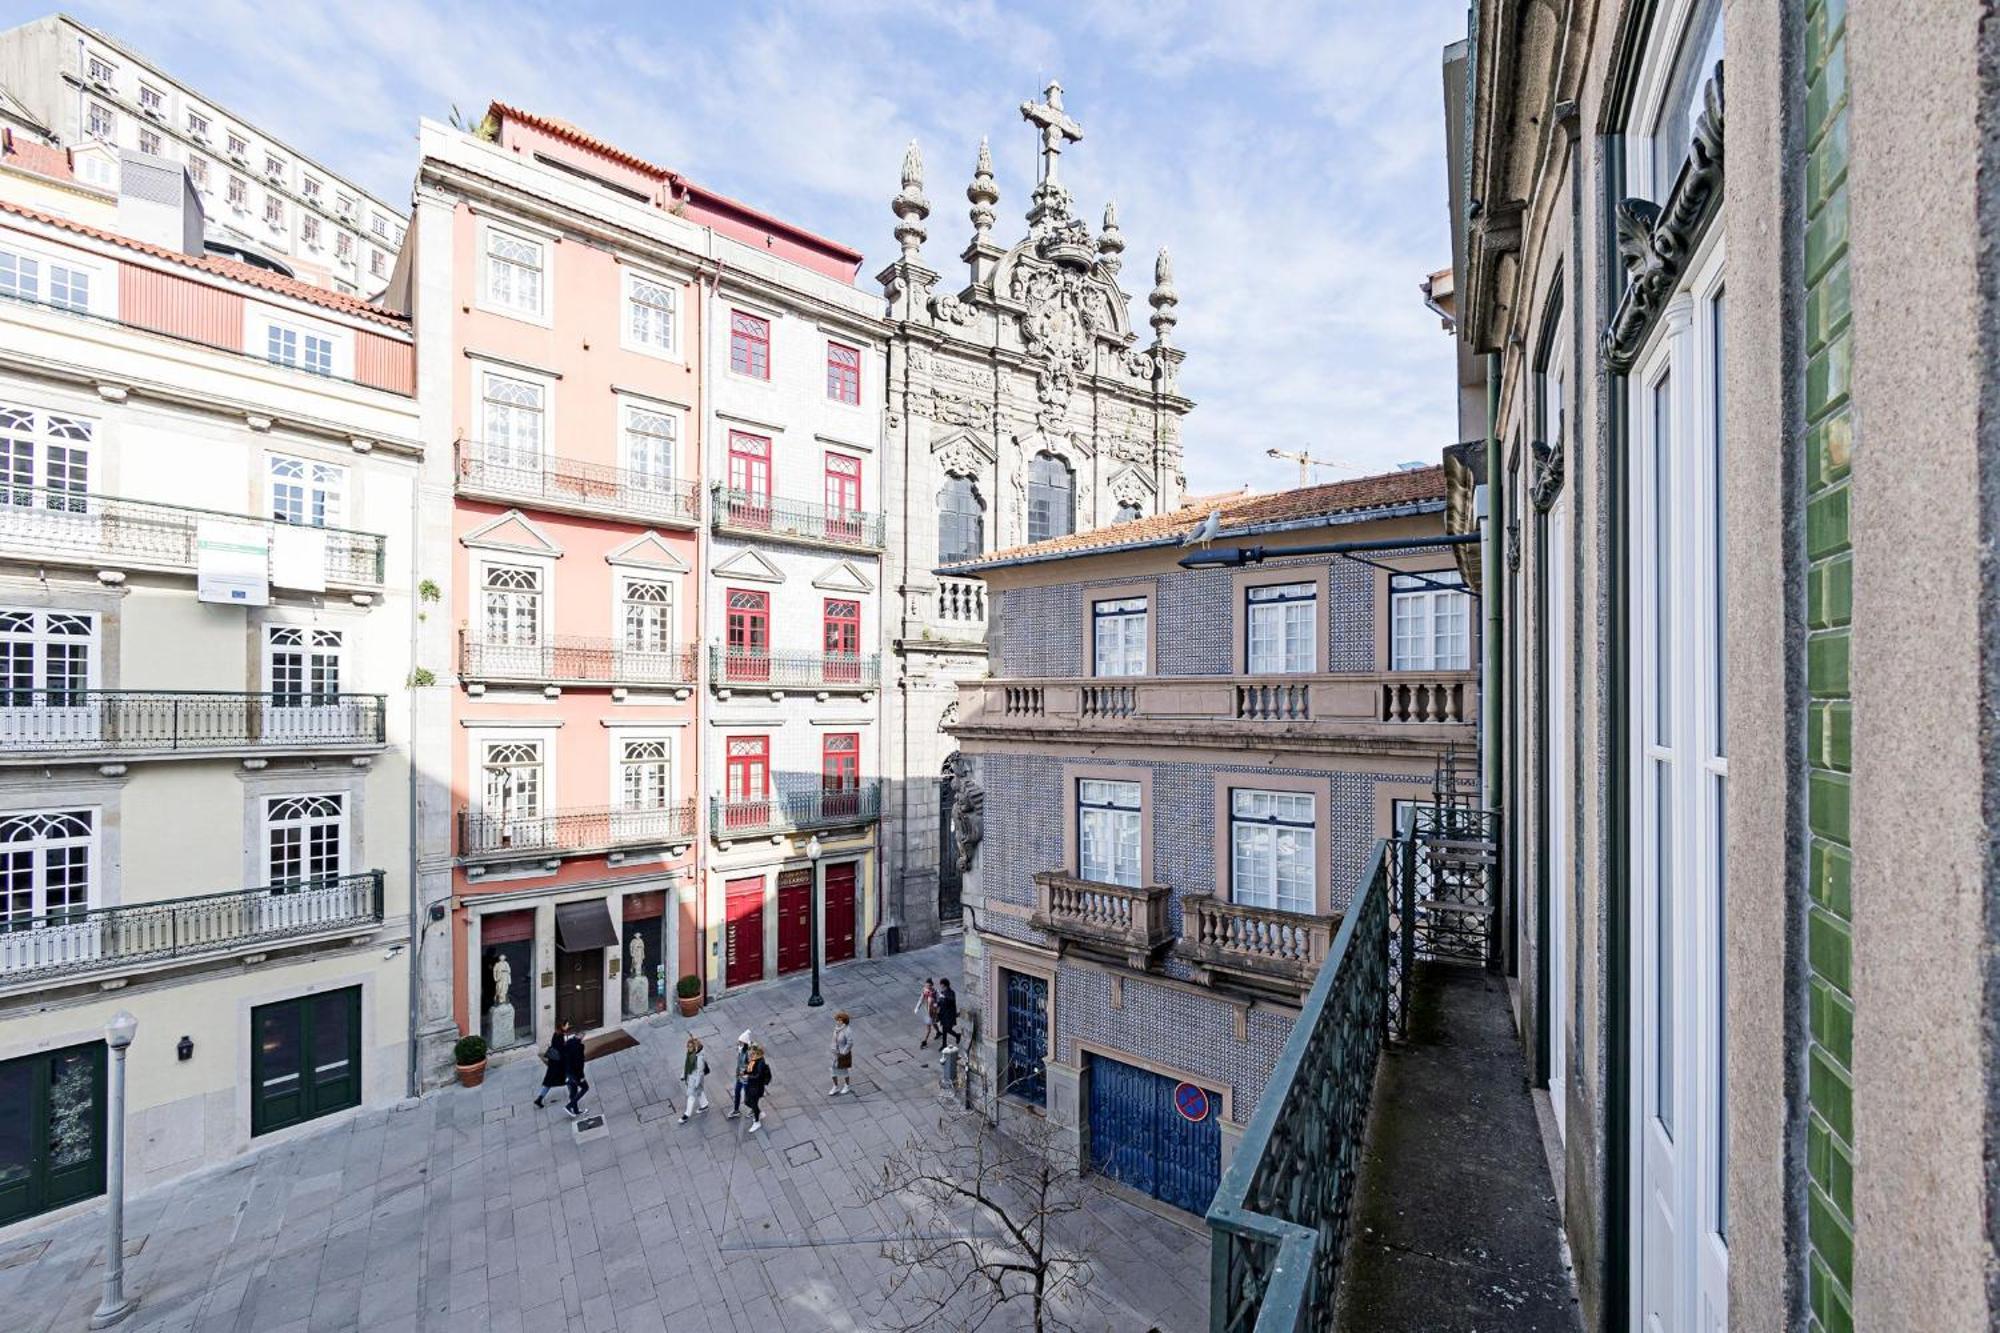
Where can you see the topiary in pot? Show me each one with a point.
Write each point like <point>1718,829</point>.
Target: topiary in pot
<point>688,991</point>
<point>468,1053</point>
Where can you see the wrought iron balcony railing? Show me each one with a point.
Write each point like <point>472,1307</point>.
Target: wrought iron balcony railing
<point>786,669</point>
<point>797,520</point>
<point>1279,1221</point>
<point>37,724</point>
<point>575,661</point>
<point>67,943</point>
<point>795,811</point>
<point>1131,922</point>
<point>1259,944</point>
<point>69,528</point>
<point>556,482</point>
<point>559,833</point>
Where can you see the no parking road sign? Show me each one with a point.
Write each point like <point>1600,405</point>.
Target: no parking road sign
<point>1191,1102</point>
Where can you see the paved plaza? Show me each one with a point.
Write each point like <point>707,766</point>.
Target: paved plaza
<point>470,1209</point>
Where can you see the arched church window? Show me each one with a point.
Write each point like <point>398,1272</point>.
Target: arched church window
<point>961,521</point>
<point>1051,498</point>
<point>1129,511</point>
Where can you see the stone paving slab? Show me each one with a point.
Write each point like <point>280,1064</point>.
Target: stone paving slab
<point>471,1209</point>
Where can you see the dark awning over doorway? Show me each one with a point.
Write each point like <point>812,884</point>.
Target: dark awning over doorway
<point>585,925</point>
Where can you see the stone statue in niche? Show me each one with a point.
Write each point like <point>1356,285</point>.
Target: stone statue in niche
<point>500,1018</point>
<point>968,810</point>
<point>637,1001</point>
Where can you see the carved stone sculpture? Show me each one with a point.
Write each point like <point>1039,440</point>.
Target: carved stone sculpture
<point>638,1000</point>
<point>968,810</point>
<point>500,1017</point>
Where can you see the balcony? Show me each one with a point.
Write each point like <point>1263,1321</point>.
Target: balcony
<point>732,669</point>
<point>793,812</point>
<point>1393,709</point>
<point>1129,923</point>
<point>570,485</point>
<point>37,726</point>
<point>557,834</point>
<point>958,610</point>
<point>740,513</point>
<point>36,952</point>
<point>1259,945</point>
<point>105,533</point>
<point>575,661</point>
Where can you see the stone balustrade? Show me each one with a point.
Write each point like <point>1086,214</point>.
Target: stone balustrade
<point>1420,705</point>
<point>1256,943</point>
<point>1131,923</point>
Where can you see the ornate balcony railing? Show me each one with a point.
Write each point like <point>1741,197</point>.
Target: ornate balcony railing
<point>63,944</point>
<point>1130,922</point>
<point>794,811</point>
<point>797,520</point>
<point>37,724</point>
<point>568,660</point>
<point>1430,706</point>
<point>1259,943</point>
<point>556,482</point>
<point>1279,1221</point>
<point>787,669</point>
<point>559,833</point>
<point>69,528</point>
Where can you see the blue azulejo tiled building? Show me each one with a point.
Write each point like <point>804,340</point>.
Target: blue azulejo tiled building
<point>1185,772</point>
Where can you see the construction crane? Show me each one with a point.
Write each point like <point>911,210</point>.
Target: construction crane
<point>1307,462</point>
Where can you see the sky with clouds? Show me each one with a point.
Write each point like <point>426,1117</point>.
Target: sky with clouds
<point>1290,153</point>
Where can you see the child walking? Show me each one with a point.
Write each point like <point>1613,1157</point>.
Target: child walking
<point>843,1056</point>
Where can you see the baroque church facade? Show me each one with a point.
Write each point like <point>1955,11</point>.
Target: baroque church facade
<point>1021,405</point>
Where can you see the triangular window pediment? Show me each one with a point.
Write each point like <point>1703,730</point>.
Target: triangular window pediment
<point>750,564</point>
<point>843,576</point>
<point>511,531</point>
<point>650,550</point>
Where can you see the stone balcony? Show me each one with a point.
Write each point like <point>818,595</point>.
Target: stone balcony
<point>1258,945</point>
<point>1131,924</point>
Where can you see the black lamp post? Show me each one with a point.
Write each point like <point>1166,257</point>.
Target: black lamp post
<point>814,1001</point>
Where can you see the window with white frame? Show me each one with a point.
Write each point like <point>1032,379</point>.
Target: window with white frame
<point>309,186</point>
<point>198,170</point>
<point>1272,850</point>
<point>102,123</point>
<point>45,866</point>
<point>1118,637</point>
<point>644,774</point>
<point>53,282</point>
<point>197,125</point>
<point>274,167</point>
<point>44,459</point>
<point>239,147</point>
<point>238,193</point>
<point>300,349</point>
<point>1430,622</point>
<point>305,840</point>
<point>149,142</point>
<point>649,616</point>
<point>306,492</point>
<point>274,213</point>
<point>650,310</point>
<point>513,272</point>
<point>650,440</point>
<point>46,658</point>
<point>150,98</point>
<point>378,264</point>
<point>1108,838</point>
<point>309,231</point>
<point>343,247</point>
<point>100,69</point>
<point>302,665</point>
<point>1278,626</point>
<point>513,605</point>
<point>514,417</point>
<point>511,781</point>
<point>379,225</point>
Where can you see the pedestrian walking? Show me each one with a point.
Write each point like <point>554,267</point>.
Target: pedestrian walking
<point>572,1058</point>
<point>843,1056</point>
<point>756,1078</point>
<point>927,1010</point>
<point>552,1065</point>
<point>742,1061</point>
<point>694,1073</point>
<point>947,1011</point>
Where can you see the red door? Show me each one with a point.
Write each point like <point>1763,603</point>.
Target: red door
<point>749,497</point>
<point>746,792</point>
<point>840,888</point>
<point>840,621</point>
<point>744,933</point>
<point>843,498</point>
<point>748,629</point>
<point>794,920</point>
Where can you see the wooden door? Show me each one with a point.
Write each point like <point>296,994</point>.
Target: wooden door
<point>794,920</point>
<point>840,911</point>
<point>743,933</point>
<point>580,988</point>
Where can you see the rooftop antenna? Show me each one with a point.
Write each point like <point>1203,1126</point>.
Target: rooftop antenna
<point>1307,462</point>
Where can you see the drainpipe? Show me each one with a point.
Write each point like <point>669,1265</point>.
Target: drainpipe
<point>410,769</point>
<point>1490,556</point>
<point>705,539</point>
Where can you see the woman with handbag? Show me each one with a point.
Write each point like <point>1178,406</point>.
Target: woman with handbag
<point>552,1065</point>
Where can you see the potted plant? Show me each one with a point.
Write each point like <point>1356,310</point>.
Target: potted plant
<point>469,1055</point>
<point>688,991</point>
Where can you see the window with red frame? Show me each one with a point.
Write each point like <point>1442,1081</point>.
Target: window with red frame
<point>843,373</point>
<point>749,495</point>
<point>843,497</point>
<point>840,773</point>
<point>749,345</point>
<point>841,619</point>
<point>746,781</point>
<point>748,628</point>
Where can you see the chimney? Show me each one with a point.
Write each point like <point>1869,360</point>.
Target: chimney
<point>158,204</point>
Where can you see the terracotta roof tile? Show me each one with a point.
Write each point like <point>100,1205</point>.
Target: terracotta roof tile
<point>27,155</point>
<point>233,269</point>
<point>1240,512</point>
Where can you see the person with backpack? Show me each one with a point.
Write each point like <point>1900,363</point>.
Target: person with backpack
<point>694,1073</point>
<point>552,1065</point>
<point>756,1078</point>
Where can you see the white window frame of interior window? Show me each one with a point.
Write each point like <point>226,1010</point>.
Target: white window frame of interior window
<point>619,736</point>
<point>476,741</point>
<point>94,890</point>
<point>92,104</point>
<point>624,578</point>
<point>1669,30</point>
<point>94,652</point>
<point>1076,802</point>
<point>103,295</point>
<point>629,403</point>
<point>1313,580</point>
<point>627,278</point>
<point>1430,596</point>
<point>265,826</point>
<point>94,458</point>
<point>1145,614</point>
<point>1311,826</point>
<point>546,243</point>
<point>543,565</point>
<point>545,447</point>
<point>272,628</point>
<point>91,58</point>
<point>261,320</point>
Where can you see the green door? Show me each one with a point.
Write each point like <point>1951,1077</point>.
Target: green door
<point>305,1058</point>
<point>51,1130</point>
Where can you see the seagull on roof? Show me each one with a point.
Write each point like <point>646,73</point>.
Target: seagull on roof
<point>1205,532</point>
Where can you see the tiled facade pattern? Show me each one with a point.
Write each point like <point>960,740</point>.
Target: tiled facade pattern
<point>1829,599</point>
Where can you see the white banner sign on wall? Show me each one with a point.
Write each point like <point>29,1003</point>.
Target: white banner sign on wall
<point>298,558</point>
<point>232,562</point>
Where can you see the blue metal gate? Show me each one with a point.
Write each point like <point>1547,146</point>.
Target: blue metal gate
<point>1139,1138</point>
<point>1027,1038</point>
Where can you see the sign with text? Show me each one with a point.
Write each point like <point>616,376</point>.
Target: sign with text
<point>232,562</point>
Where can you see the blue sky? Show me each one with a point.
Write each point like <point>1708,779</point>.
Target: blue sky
<point>1289,154</point>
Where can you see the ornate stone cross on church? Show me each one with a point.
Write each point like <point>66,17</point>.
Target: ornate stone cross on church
<point>1048,116</point>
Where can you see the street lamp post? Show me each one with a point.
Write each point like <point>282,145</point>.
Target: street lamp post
<point>814,1001</point>
<point>116,1305</point>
